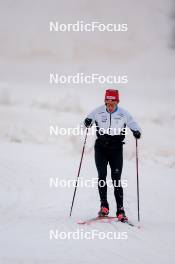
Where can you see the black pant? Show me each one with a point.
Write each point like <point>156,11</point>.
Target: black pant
<point>105,154</point>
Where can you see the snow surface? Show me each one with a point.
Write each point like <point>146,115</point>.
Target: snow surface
<point>29,156</point>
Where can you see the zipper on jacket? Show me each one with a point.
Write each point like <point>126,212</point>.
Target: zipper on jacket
<point>110,124</point>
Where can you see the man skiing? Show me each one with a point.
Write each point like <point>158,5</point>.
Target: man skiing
<point>111,122</point>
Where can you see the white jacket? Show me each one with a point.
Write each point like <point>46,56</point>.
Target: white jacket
<point>113,123</point>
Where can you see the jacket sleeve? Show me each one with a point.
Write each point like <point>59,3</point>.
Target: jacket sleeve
<point>90,115</point>
<point>131,123</point>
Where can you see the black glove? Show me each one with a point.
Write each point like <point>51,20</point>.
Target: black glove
<point>88,122</point>
<point>136,134</point>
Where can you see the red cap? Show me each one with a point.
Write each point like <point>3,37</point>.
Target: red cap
<point>112,95</point>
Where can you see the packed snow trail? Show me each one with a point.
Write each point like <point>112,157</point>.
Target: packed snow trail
<point>30,209</point>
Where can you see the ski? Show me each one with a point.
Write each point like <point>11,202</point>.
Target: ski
<point>105,219</point>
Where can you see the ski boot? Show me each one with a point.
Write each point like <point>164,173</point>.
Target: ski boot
<point>104,210</point>
<point>121,215</point>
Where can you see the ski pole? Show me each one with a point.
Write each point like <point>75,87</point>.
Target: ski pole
<point>79,171</point>
<point>138,199</point>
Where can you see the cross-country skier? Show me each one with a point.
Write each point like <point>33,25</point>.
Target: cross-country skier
<point>111,124</point>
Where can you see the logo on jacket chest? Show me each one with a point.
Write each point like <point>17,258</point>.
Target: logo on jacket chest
<point>117,120</point>
<point>103,118</point>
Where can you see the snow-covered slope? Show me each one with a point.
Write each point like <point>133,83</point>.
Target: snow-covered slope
<point>29,208</point>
